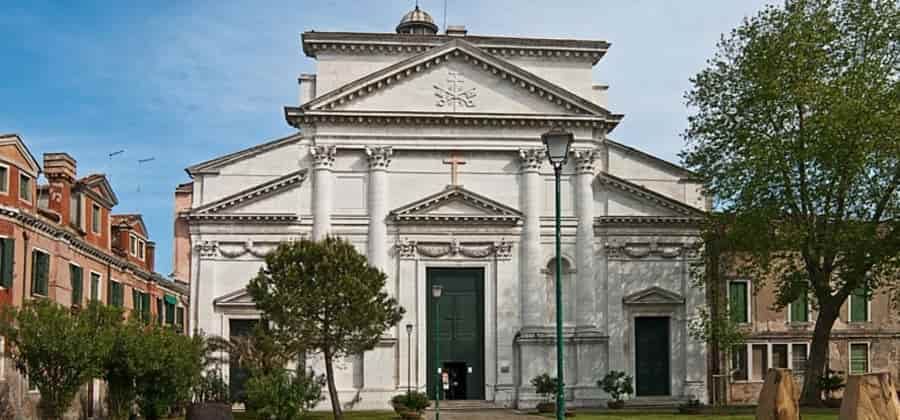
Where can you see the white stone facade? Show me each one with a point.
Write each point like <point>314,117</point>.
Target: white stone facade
<point>376,127</point>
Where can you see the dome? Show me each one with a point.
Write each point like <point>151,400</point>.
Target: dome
<point>417,21</point>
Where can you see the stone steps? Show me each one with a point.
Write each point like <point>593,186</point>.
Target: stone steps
<point>466,405</point>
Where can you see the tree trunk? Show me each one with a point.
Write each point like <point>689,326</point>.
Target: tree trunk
<point>818,354</point>
<point>332,390</point>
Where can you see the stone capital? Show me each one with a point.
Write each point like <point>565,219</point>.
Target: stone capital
<point>323,156</point>
<point>531,159</point>
<point>379,156</point>
<point>585,159</point>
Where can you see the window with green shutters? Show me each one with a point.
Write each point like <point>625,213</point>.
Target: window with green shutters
<point>738,301</point>
<point>7,260</point>
<point>95,286</point>
<point>136,299</point>
<point>116,294</point>
<point>179,318</point>
<point>145,306</point>
<point>159,310</point>
<point>40,273</point>
<point>800,309</point>
<point>859,358</point>
<point>76,276</point>
<point>170,314</point>
<point>859,306</point>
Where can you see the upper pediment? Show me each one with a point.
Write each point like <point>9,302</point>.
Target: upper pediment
<point>628,198</point>
<point>259,203</point>
<point>456,78</point>
<point>654,296</point>
<point>456,205</point>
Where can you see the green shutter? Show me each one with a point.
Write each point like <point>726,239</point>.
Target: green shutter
<point>859,358</point>
<point>800,309</point>
<point>179,318</point>
<point>136,299</point>
<point>7,260</point>
<point>170,314</point>
<point>95,286</point>
<point>159,310</point>
<point>76,276</point>
<point>40,273</point>
<point>737,295</point>
<point>859,306</point>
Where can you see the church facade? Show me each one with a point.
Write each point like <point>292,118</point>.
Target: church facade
<point>424,150</point>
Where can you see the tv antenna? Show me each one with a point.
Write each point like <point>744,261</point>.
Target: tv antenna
<point>141,162</point>
<point>108,169</point>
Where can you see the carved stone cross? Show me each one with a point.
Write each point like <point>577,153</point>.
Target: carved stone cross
<point>454,163</point>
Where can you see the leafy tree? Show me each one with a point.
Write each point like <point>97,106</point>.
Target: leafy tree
<point>283,395</point>
<point>57,351</point>
<point>794,132</point>
<point>168,367</point>
<point>120,370</point>
<point>324,297</point>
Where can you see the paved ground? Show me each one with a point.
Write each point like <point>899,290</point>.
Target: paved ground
<point>483,415</point>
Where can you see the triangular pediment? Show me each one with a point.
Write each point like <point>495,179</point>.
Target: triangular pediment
<point>628,198</point>
<point>19,153</point>
<point>456,204</point>
<point>98,186</point>
<point>237,298</point>
<point>256,199</point>
<point>457,77</point>
<point>654,296</point>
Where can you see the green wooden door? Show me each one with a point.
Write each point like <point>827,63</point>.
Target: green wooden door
<point>461,338</point>
<point>651,356</point>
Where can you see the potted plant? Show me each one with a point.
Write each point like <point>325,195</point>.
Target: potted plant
<point>213,399</point>
<point>545,385</point>
<point>411,405</point>
<point>831,382</point>
<point>617,384</point>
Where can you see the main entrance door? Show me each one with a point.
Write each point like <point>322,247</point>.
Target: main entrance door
<point>651,356</point>
<point>461,338</point>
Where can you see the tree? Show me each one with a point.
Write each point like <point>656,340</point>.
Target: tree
<point>168,367</point>
<point>119,369</point>
<point>57,351</point>
<point>324,297</point>
<point>794,132</point>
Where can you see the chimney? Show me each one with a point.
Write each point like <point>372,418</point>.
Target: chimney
<point>182,245</point>
<point>150,256</point>
<point>307,84</point>
<point>457,30</point>
<point>59,168</point>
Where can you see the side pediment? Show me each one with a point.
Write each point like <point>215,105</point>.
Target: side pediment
<point>236,299</point>
<point>457,205</point>
<point>654,296</point>
<point>629,199</point>
<point>259,203</point>
<point>457,77</point>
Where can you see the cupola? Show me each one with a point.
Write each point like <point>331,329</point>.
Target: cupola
<point>417,22</point>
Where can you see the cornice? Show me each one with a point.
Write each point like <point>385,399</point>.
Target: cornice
<point>253,218</point>
<point>647,220</point>
<point>296,117</point>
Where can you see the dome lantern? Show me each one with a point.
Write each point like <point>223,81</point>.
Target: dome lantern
<point>417,22</point>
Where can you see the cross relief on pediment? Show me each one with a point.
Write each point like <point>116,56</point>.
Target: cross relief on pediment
<point>455,93</point>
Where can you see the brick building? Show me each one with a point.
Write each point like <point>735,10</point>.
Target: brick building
<point>61,241</point>
<point>864,338</point>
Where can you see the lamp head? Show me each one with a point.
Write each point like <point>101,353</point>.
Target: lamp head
<point>556,143</point>
<point>409,328</point>
<point>436,291</point>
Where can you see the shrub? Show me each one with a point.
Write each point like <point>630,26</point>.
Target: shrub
<point>412,401</point>
<point>617,384</point>
<point>283,395</point>
<point>212,388</point>
<point>168,367</point>
<point>545,385</point>
<point>831,382</point>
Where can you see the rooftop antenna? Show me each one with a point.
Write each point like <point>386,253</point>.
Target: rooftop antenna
<point>140,162</point>
<point>108,169</point>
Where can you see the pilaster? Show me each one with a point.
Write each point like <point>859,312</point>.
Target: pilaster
<point>379,159</point>
<point>533,290</point>
<point>587,314</point>
<point>323,186</point>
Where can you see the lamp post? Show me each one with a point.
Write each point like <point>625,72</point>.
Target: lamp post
<point>436,291</point>
<point>556,143</point>
<point>409,328</point>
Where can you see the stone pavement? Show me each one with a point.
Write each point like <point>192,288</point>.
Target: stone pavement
<point>483,415</point>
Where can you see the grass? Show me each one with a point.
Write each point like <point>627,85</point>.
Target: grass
<point>645,415</point>
<point>349,415</point>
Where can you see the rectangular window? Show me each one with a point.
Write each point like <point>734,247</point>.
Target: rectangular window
<point>7,260</point>
<point>739,302</point>
<point>132,245</point>
<point>859,358</point>
<point>40,273</point>
<point>798,358</point>
<point>25,187</point>
<point>780,356</point>
<point>800,309</point>
<point>159,310</point>
<point>170,314</point>
<point>95,286</point>
<point>739,363</point>
<point>75,216</point>
<point>759,354</point>
<point>76,276</point>
<point>859,305</point>
<point>136,299</point>
<point>116,294</point>
<point>95,218</point>
<point>145,306</point>
<point>179,318</point>
<point>4,179</point>
<point>141,249</point>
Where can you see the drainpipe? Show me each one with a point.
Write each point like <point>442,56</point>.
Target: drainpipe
<point>24,265</point>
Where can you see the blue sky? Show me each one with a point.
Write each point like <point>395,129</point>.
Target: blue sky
<point>186,81</point>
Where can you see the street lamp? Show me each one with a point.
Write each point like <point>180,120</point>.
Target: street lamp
<point>556,143</point>
<point>436,292</point>
<point>409,328</point>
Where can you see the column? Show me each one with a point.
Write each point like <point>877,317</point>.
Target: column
<point>379,159</point>
<point>587,315</point>
<point>323,186</point>
<point>534,309</point>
